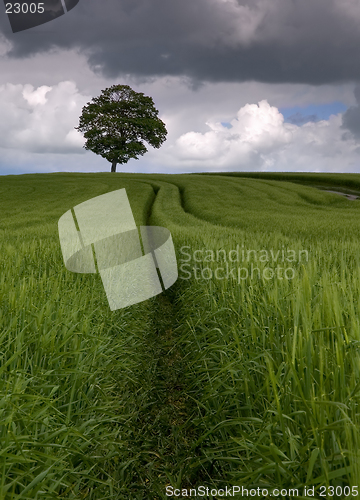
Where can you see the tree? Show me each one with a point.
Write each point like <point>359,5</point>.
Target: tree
<point>116,123</point>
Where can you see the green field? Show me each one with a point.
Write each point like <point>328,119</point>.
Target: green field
<point>245,372</point>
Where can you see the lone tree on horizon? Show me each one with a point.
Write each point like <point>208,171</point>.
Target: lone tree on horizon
<point>116,123</point>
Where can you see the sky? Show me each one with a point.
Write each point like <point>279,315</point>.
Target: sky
<point>241,85</point>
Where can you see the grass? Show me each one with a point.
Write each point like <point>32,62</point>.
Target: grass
<point>235,381</point>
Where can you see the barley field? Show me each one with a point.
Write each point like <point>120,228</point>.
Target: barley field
<point>245,372</point>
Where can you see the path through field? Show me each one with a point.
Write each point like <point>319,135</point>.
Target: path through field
<point>245,372</point>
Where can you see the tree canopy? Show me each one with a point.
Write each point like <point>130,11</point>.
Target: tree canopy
<point>116,124</point>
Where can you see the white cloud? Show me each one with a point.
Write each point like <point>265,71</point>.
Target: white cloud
<point>38,118</point>
<point>41,120</point>
<point>259,139</point>
<point>34,97</point>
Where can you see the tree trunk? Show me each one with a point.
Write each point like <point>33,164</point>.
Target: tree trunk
<point>113,166</point>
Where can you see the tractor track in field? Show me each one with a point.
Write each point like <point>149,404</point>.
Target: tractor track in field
<point>157,186</point>
<point>165,437</point>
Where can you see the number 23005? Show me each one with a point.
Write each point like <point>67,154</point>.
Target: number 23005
<point>24,8</point>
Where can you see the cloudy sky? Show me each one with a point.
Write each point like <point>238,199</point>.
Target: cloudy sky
<point>268,85</point>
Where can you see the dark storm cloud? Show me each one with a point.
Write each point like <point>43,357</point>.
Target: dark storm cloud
<point>351,117</point>
<point>302,41</point>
